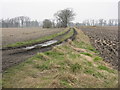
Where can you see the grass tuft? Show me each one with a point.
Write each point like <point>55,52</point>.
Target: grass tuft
<point>75,67</point>
<point>87,54</point>
<point>101,67</point>
<point>97,58</point>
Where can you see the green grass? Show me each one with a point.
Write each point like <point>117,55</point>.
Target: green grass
<point>101,67</point>
<point>87,54</point>
<point>89,63</point>
<point>65,83</point>
<point>89,71</point>
<point>92,71</point>
<point>97,58</point>
<point>57,55</point>
<point>42,67</point>
<point>0,83</point>
<point>85,46</point>
<point>19,44</point>
<point>75,67</point>
<point>73,56</point>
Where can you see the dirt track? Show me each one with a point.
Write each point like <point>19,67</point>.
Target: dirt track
<point>12,57</point>
<point>12,35</point>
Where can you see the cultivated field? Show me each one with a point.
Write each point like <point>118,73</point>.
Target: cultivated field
<point>13,35</point>
<point>105,40</point>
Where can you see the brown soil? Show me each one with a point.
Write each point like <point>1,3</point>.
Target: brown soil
<point>105,40</point>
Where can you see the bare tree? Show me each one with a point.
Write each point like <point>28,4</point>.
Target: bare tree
<point>93,22</point>
<point>21,21</point>
<point>47,23</point>
<point>0,23</point>
<point>64,17</point>
<point>116,22</point>
<point>53,23</point>
<point>111,22</point>
<point>101,21</point>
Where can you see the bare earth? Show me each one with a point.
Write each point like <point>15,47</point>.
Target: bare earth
<point>12,35</point>
<point>105,40</point>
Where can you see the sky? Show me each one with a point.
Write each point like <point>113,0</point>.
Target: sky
<point>45,9</point>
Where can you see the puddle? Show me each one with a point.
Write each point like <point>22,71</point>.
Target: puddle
<point>48,43</point>
<point>42,45</point>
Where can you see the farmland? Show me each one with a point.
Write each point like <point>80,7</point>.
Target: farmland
<point>13,35</point>
<point>105,40</point>
<point>74,63</point>
<point>59,44</point>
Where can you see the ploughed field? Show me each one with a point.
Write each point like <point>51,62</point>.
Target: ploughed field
<point>105,40</point>
<point>13,35</point>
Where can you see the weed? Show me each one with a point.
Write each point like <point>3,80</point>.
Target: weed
<point>97,58</point>
<point>98,75</point>
<point>91,48</point>
<point>72,56</point>
<point>88,54</point>
<point>0,82</point>
<point>79,44</point>
<point>89,71</point>
<point>75,67</point>
<point>101,67</point>
<point>42,67</point>
<point>88,63</point>
<point>92,72</point>
<point>65,83</point>
<point>57,55</point>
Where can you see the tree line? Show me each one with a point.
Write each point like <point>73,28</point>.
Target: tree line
<point>18,22</point>
<point>63,18</point>
<point>99,22</point>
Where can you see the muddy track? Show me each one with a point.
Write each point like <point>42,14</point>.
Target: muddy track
<point>10,48</point>
<point>11,57</point>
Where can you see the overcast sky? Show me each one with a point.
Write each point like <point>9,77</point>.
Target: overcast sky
<point>42,9</point>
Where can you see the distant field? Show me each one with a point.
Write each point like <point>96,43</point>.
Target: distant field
<point>13,35</point>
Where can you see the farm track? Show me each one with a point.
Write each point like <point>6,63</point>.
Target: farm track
<point>11,57</point>
<point>10,48</point>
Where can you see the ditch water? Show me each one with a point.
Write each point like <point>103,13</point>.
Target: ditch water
<point>42,44</point>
